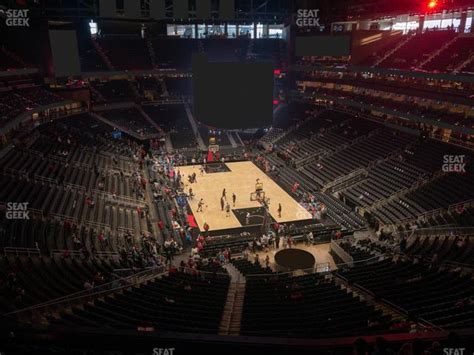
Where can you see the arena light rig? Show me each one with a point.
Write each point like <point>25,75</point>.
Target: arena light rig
<point>432,5</point>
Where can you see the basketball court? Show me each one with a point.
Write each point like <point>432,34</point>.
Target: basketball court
<point>239,178</point>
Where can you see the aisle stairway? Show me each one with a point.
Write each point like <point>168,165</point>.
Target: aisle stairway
<point>232,315</point>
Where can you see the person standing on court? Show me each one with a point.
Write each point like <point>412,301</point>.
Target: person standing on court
<point>222,203</point>
<point>227,209</point>
<point>234,198</point>
<point>200,204</point>
<point>224,194</point>
<point>279,210</point>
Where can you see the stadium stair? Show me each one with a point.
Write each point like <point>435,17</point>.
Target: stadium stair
<point>151,52</point>
<point>464,64</point>
<point>14,57</point>
<point>148,118</point>
<point>392,51</point>
<point>231,139</point>
<point>102,54</point>
<point>194,126</point>
<point>437,52</point>
<point>232,314</point>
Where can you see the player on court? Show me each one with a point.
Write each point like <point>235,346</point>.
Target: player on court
<point>200,204</point>
<point>222,203</point>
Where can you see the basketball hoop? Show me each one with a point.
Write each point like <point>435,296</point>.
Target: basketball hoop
<point>257,196</point>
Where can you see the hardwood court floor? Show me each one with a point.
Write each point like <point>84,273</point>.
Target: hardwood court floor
<point>241,181</point>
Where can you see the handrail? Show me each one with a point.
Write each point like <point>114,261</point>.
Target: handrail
<point>340,180</point>
<point>79,253</point>
<point>97,224</point>
<point>466,203</point>
<point>64,217</point>
<point>436,212</point>
<point>62,251</point>
<point>344,255</point>
<point>202,272</point>
<point>75,186</point>
<point>36,211</point>
<point>14,171</point>
<point>45,179</point>
<point>438,231</point>
<point>456,264</point>
<point>110,286</point>
<point>324,266</point>
<point>121,198</point>
<point>57,158</point>
<point>17,251</point>
<point>375,257</point>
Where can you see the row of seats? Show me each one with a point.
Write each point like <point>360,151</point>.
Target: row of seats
<point>411,106</point>
<point>357,155</point>
<point>452,56</point>
<point>174,120</point>
<point>49,168</point>
<point>51,200</point>
<point>168,52</point>
<point>416,49</point>
<point>355,251</point>
<point>337,211</point>
<point>457,249</point>
<point>235,243</point>
<point>66,174</point>
<point>384,180</point>
<point>178,302</point>
<point>246,267</point>
<point>121,50</point>
<point>49,235</point>
<point>117,90</point>
<point>27,281</point>
<point>440,193</point>
<point>306,306</point>
<point>409,161</point>
<point>13,102</point>
<point>437,296</point>
<point>130,118</point>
